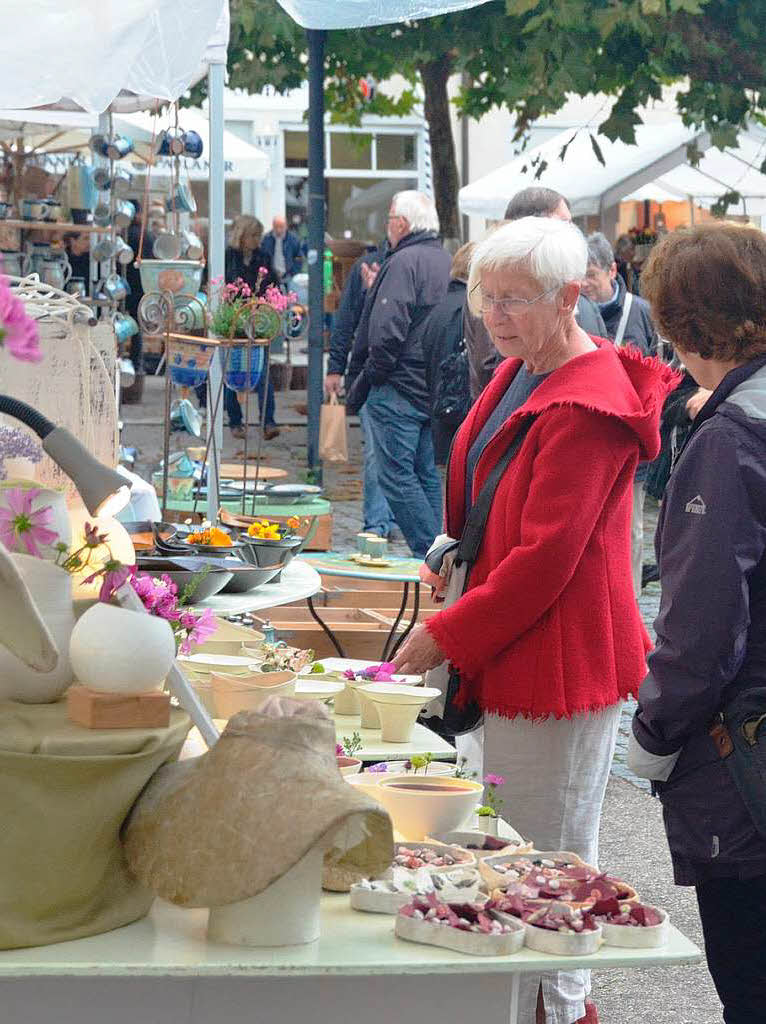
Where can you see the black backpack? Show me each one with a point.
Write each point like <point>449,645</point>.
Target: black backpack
<point>452,394</point>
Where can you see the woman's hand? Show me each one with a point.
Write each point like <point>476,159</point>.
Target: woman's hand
<point>418,653</point>
<point>432,579</point>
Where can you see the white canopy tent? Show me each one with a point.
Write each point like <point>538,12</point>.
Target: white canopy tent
<point>590,186</point>
<point>328,14</point>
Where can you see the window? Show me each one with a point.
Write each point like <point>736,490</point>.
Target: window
<point>351,150</point>
<point>396,152</point>
<point>361,205</point>
<point>296,149</point>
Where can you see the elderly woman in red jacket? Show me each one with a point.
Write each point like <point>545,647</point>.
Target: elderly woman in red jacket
<point>547,636</point>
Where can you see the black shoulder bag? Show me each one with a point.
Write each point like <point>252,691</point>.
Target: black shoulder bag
<point>457,720</point>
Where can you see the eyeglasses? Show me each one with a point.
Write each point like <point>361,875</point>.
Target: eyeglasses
<point>510,306</point>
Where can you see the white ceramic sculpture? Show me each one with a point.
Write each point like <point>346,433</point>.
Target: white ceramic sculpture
<point>114,650</point>
<point>36,621</point>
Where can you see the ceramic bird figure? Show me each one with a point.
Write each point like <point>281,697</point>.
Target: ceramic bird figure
<point>22,630</point>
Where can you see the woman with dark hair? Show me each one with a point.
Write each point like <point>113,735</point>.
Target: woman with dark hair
<point>707,290</point>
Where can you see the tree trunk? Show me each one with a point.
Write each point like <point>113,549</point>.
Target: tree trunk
<point>435,75</point>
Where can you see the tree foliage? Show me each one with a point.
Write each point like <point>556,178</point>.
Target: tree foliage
<point>527,56</point>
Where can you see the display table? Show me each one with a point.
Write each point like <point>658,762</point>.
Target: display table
<point>298,581</point>
<point>163,969</point>
<point>401,570</point>
<point>423,741</point>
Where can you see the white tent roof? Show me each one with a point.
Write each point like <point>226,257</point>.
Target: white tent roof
<point>87,53</point>
<point>359,13</point>
<point>242,161</point>
<point>588,185</point>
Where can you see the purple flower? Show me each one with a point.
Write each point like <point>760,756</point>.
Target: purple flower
<point>15,444</point>
<point>22,528</point>
<point>339,750</point>
<point>381,767</point>
<point>18,331</point>
<point>93,539</point>
<point>494,780</point>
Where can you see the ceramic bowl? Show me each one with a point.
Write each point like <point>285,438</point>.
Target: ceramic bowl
<point>645,937</point>
<point>207,585</point>
<point>237,693</point>
<point>398,707</point>
<point>316,689</point>
<point>365,782</point>
<point>348,765</point>
<point>225,664</point>
<point>267,553</point>
<point>438,769</point>
<point>421,806</point>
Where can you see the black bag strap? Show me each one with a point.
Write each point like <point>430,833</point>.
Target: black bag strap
<point>473,531</point>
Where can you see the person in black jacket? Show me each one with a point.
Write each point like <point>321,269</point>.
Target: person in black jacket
<point>483,357</point>
<point>378,517</point>
<point>388,371</point>
<point>283,250</point>
<point>628,322</point>
<point>443,338</point>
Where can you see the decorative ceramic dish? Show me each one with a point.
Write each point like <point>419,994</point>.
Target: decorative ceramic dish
<point>463,927</point>
<point>389,895</point>
<point>307,688</point>
<point>499,870</point>
<point>631,925</point>
<point>434,769</point>
<point>434,857</point>
<point>555,928</point>
<point>482,845</point>
<point>246,693</point>
<point>226,664</point>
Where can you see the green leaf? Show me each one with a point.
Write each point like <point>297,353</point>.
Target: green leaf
<point>720,206</point>
<point>518,8</point>
<point>597,150</point>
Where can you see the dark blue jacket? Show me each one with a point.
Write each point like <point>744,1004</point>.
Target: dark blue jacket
<point>412,279</point>
<point>346,319</point>
<point>291,248</point>
<point>711,629</point>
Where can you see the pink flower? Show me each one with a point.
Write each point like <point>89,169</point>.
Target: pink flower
<point>20,527</point>
<point>204,626</point>
<point>18,331</point>
<point>349,674</point>
<point>339,750</point>
<point>494,780</point>
<point>115,574</point>
<point>93,539</point>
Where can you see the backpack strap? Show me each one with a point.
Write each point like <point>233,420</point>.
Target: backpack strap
<point>473,531</point>
<point>623,320</point>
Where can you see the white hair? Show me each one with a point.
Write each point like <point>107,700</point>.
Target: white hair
<point>553,251</point>
<point>417,208</point>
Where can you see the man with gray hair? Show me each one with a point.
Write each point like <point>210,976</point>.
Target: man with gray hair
<point>483,357</point>
<point>628,322</point>
<point>387,371</point>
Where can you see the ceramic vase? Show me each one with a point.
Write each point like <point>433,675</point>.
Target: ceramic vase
<point>487,823</point>
<point>114,650</point>
<point>51,590</point>
<point>285,914</point>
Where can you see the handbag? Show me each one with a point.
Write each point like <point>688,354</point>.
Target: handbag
<point>452,397</point>
<point>457,719</point>
<point>333,446</point>
<point>739,734</point>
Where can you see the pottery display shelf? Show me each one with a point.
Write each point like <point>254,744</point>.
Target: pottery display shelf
<point>162,968</point>
<point>298,582</point>
<point>400,570</point>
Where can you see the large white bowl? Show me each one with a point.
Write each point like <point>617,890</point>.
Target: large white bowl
<point>436,769</point>
<point>235,693</point>
<point>420,806</point>
<point>226,664</point>
<point>398,707</point>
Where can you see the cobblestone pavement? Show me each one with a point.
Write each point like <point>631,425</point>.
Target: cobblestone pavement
<point>632,837</point>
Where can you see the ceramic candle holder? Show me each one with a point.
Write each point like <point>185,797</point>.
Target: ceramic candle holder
<point>398,707</point>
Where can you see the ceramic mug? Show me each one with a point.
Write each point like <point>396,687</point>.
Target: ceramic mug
<point>124,327</point>
<point>98,144</point>
<point>54,210</point>
<point>102,215</point>
<point>118,147</point>
<point>123,252</point>
<point>102,179</point>
<point>192,246</point>
<point>193,145</point>
<point>104,249</point>
<point>122,179</point>
<point>115,287</point>
<point>76,286</point>
<point>174,139</point>
<point>56,272</point>
<point>182,200</point>
<point>34,209</point>
<point>124,212</point>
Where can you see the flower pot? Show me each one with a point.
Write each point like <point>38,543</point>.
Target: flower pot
<point>189,362</point>
<point>487,823</point>
<point>244,366</point>
<point>285,914</point>
<point>348,765</point>
<point>51,590</point>
<point>114,650</point>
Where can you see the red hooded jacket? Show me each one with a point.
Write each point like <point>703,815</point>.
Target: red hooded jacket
<point>549,624</point>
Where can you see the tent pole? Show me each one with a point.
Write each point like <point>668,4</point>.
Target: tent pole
<point>691,212</point>
<point>215,269</point>
<point>316,212</point>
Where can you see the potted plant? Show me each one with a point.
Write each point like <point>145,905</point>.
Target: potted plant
<point>344,753</point>
<point>489,813</point>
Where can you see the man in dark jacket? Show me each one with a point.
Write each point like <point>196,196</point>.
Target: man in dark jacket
<point>628,322</point>
<point>442,341</point>
<point>483,357</point>
<point>283,250</point>
<point>388,371</point>
<point>378,517</point>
